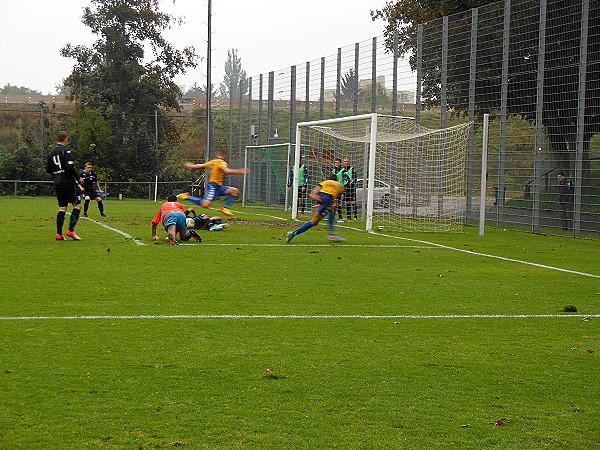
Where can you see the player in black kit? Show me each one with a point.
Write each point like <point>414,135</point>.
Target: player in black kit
<point>90,182</point>
<point>66,179</point>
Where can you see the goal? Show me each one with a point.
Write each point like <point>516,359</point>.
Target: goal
<point>266,184</point>
<point>408,177</point>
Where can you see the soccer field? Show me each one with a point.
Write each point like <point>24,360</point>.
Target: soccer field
<point>243,341</point>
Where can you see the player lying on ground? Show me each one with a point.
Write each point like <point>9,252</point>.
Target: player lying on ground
<point>204,221</point>
<point>217,168</point>
<point>172,215</point>
<point>325,193</point>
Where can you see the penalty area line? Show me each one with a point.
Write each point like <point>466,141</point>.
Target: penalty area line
<point>543,266</point>
<point>299,316</point>
<point>122,233</point>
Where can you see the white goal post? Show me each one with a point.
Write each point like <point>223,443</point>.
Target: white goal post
<point>408,177</point>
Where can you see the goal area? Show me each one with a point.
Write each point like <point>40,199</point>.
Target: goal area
<point>408,177</point>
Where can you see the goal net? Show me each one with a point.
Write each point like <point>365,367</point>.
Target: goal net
<point>266,184</point>
<point>407,177</point>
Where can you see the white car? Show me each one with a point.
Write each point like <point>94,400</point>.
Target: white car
<point>382,193</point>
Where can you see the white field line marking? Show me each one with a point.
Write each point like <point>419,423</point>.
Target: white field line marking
<point>307,245</point>
<point>294,316</point>
<point>115,230</point>
<point>489,256</point>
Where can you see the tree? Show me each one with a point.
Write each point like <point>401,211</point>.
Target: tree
<point>349,87</point>
<point>115,79</point>
<point>561,69</point>
<point>16,90</point>
<point>235,77</point>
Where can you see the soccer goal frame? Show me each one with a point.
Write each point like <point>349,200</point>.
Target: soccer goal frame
<point>423,170</point>
<point>269,172</point>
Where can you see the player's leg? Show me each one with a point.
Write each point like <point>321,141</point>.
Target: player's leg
<point>100,206</point>
<point>86,205</point>
<point>321,211</point>
<point>77,206</point>
<point>231,196</point>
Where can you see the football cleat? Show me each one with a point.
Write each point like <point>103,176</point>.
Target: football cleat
<point>183,195</point>
<point>333,237</point>
<point>226,211</point>
<point>73,235</point>
<point>84,214</point>
<point>60,237</point>
<point>195,235</point>
<point>290,236</point>
<point>103,215</point>
<point>172,239</point>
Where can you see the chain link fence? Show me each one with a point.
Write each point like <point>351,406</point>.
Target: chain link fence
<point>534,65</point>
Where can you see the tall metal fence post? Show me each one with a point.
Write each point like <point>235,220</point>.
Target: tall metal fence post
<point>583,60</point>
<point>443,119</point>
<point>374,76</point>
<point>471,138</point>
<point>395,74</point>
<point>539,117</point>
<point>338,82</point>
<point>230,146</point>
<point>250,138</point>
<point>240,122</point>
<point>322,91</point>
<point>355,88</point>
<point>260,110</point>
<point>503,116</point>
<point>270,106</point>
<point>307,93</point>
<point>292,127</point>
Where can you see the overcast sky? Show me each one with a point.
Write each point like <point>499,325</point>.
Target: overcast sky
<point>269,35</point>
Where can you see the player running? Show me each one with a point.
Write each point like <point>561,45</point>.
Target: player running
<point>325,193</point>
<point>217,168</point>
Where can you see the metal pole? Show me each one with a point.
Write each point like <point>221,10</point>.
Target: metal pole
<point>472,79</point>
<point>539,117</point>
<point>503,116</point>
<point>583,60</point>
<point>484,154</point>
<point>208,80</point>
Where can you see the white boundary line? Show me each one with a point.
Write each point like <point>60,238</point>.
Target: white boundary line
<point>294,316</point>
<point>122,233</point>
<point>489,256</point>
<point>306,245</point>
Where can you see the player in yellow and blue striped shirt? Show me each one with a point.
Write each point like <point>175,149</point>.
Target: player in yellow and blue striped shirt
<point>324,193</point>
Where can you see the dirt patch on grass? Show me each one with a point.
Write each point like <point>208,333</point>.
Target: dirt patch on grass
<point>263,222</point>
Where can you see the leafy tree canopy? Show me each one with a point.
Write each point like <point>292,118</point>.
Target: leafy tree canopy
<point>117,86</point>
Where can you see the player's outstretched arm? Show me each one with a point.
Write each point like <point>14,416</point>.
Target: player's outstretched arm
<point>235,171</point>
<point>191,165</point>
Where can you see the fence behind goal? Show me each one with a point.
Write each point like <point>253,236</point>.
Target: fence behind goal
<point>408,177</point>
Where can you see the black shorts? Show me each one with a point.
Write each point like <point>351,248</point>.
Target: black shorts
<point>66,195</point>
<point>93,195</point>
<point>349,194</point>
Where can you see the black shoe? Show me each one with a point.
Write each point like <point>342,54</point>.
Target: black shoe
<point>103,215</point>
<point>84,214</point>
<point>195,235</point>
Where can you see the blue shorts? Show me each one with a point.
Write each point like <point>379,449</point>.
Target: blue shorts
<point>214,190</point>
<point>176,218</point>
<point>325,204</point>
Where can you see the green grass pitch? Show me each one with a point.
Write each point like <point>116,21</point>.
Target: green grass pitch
<point>419,341</point>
